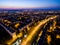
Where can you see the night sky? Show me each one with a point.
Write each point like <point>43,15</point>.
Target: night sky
<point>29,3</point>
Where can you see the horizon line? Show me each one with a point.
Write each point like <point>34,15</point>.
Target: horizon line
<point>7,7</point>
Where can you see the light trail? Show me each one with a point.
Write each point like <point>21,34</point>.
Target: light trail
<point>34,32</point>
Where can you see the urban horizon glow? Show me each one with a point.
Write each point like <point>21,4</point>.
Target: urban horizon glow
<point>29,3</point>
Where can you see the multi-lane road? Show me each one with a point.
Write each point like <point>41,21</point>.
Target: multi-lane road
<point>24,24</point>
